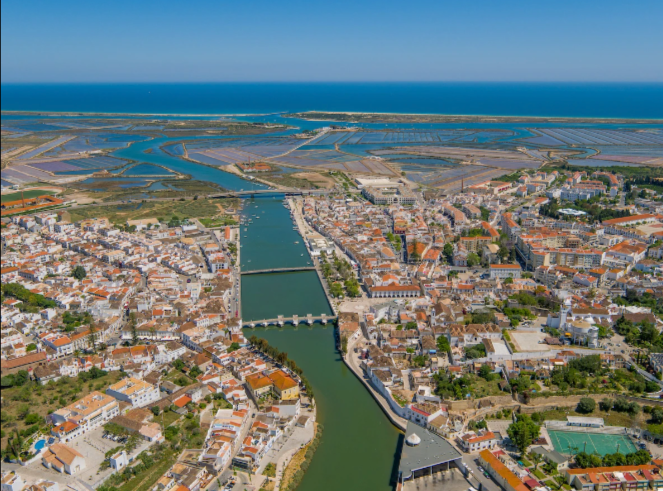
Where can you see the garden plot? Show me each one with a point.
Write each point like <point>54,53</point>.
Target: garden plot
<point>529,340</point>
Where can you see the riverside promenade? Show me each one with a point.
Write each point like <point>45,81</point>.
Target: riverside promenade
<point>352,361</point>
<point>305,230</point>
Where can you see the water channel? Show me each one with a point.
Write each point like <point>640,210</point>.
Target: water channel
<point>359,445</point>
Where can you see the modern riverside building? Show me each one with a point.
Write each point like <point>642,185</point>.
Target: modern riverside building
<point>424,453</point>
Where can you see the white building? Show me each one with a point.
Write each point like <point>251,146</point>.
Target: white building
<point>11,481</point>
<point>87,413</point>
<point>63,459</point>
<point>136,392</point>
<point>475,442</point>
<point>503,271</point>
<point>119,461</point>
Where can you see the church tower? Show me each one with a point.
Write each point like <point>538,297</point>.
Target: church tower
<point>564,313</point>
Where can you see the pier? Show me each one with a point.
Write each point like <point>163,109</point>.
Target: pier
<point>279,270</point>
<point>294,320</point>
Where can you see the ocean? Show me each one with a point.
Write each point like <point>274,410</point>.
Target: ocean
<point>583,100</point>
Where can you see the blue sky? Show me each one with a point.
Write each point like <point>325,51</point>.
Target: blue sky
<point>370,40</point>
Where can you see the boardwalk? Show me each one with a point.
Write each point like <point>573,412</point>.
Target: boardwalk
<point>279,270</point>
<point>294,320</point>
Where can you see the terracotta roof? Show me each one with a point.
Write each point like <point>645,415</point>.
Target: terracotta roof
<point>503,471</point>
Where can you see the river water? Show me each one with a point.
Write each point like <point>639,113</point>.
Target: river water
<point>359,445</point>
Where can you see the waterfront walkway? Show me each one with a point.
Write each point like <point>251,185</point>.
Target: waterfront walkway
<point>351,359</point>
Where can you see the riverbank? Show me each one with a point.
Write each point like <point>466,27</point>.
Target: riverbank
<point>297,462</point>
<point>305,230</point>
<point>352,362</point>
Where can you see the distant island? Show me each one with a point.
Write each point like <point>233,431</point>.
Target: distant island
<point>359,117</point>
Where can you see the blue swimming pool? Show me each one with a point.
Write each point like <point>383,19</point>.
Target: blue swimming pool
<point>40,444</point>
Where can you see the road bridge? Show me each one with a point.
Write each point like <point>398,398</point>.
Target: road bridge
<point>286,192</point>
<point>278,270</point>
<point>294,320</point>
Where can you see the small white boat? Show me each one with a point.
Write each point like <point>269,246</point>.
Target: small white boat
<point>302,254</point>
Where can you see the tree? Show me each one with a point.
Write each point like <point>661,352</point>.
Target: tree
<point>233,347</point>
<point>443,344</point>
<point>537,458</point>
<point>344,345</point>
<point>93,337</point>
<point>195,371</point>
<point>448,251</point>
<point>585,460</point>
<point>472,259</point>
<point>134,330</point>
<point>79,273</point>
<point>31,347</point>
<point>508,281</point>
<point>523,432</point>
<point>411,325</point>
<point>485,372</point>
<point>352,288</point>
<point>155,410</point>
<point>132,442</point>
<point>586,405</point>
<point>415,256</point>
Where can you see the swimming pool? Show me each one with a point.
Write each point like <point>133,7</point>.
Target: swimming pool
<point>40,444</point>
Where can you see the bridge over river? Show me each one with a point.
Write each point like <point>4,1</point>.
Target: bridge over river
<point>259,192</point>
<point>294,320</point>
<point>278,270</point>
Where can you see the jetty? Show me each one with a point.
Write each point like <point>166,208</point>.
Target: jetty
<point>281,320</point>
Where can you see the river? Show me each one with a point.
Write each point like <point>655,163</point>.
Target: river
<point>136,151</point>
<point>359,446</point>
<point>359,443</point>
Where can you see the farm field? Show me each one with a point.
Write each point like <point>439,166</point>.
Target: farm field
<point>165,210</point>
<point>31,193</point>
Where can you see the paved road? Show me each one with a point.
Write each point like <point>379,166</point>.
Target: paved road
<point>477,478</point>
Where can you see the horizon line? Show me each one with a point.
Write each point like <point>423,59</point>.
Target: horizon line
<point>100,82</point>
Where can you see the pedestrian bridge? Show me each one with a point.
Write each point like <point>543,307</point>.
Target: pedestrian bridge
<point>294,320</point>
<point>278,270</point>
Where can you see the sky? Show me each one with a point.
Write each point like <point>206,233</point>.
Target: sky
<point>369,40</point>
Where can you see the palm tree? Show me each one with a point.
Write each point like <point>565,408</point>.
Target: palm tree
<point>537,459</point>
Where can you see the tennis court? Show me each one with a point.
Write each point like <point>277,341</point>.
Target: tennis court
<point>571,442</point>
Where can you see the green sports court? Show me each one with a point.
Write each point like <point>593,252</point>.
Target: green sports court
<point>571,442</point>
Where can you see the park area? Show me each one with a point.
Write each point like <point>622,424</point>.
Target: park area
<point>572,442</point>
